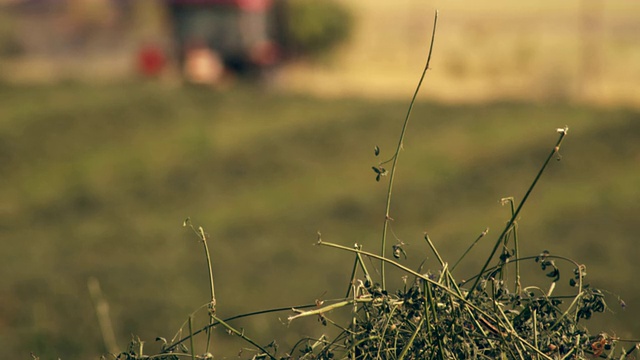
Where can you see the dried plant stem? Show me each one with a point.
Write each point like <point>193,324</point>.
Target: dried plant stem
<point>482,234</point>
<point>411,340</point>
<point>385,328</point>
<point>358,260</point>
<point>208,327</point>
<point>474,310</point>
<point>516,246</point>
<point>554,151</point>
<point>203,236</point>
<point>535,329</point>
<point>409,271</point>
<point>322,310</point>
<point>243,336</point>
<point>193,350</point>
<point>102,312</point>
<point>387,216</point>
<point>212,304</point>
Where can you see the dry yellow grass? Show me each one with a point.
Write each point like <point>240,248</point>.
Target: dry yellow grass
<point>585,50</point>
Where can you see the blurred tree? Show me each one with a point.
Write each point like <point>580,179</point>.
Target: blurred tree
<point>314,27</point>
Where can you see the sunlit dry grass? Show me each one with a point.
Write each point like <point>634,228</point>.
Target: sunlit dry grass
<point>575,50</point>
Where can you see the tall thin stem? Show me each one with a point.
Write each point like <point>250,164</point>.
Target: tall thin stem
<point>212,304</point>
<point>392,174</point>
<point>556,148</point>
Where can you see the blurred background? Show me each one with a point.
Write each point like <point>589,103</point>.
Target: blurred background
<point>258,119</point>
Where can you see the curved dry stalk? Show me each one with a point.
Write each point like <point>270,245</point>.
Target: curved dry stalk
<point>554,151</point>
<point>392,174</point>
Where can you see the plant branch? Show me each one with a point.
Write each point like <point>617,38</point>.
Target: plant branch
<point>392,174</point>
<point>556,148</point>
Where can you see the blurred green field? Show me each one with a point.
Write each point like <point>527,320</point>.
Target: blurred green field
<point>97,180</point>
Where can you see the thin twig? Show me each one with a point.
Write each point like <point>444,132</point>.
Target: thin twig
<point>212,304</point>
<point>102,312</point>
<point>482,234</point>
<point>244,337</point>
<point>387,216</point>
<point>554,151</point>
<point>236,317</point>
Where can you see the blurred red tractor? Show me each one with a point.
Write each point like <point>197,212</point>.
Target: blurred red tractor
<point>214,37</point>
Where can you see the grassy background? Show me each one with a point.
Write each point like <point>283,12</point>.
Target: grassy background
<point>579,50</point>
<point>96,181</point>
<point>585,50</point>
